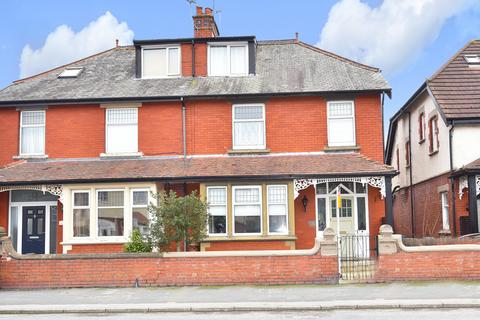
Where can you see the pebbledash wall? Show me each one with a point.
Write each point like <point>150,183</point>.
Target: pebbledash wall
<point>396,262</point>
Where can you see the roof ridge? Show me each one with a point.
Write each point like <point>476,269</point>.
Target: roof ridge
<point>446,64</point>
<point>68,64</point>
<point>336,56</point>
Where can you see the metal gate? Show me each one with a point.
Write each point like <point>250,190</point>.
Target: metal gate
<point>357,257</point>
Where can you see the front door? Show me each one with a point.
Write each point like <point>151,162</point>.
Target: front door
<point>345,218</point>
<point>33,240</point>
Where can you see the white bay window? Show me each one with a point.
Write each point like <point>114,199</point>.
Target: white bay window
<point>217,210</point>
<point>249,126</point>
<point>32,132</point>
<point>110,212</point>
<point>81,213</point>
<point>122,130</point>
<point>277,209</point>
<point>140,215</point>
<point>341,123</point>
<point>247,209</point>
<point>228,60</point>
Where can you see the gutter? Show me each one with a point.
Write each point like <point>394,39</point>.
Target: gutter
<point>452,179</point>
<point>184,128</point>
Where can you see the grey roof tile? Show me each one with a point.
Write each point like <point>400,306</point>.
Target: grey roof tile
<point>281,67</point>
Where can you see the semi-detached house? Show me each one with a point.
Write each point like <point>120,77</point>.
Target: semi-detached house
<point>265,131</point>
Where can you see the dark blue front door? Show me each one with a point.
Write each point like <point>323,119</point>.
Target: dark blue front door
<point>33,230</point>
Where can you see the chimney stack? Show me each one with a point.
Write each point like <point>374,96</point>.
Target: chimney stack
<point>204,25</point>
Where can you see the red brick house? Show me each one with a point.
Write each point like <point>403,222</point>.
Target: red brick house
<point>434,142</point>
<point>264,130</point>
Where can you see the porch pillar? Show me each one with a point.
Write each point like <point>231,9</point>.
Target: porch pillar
<point>472,203</point>
<point>388,201</point>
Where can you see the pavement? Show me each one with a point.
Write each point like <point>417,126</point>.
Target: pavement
<point>314,298</point>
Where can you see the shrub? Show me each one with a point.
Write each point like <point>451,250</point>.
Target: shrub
<point>137,243</point>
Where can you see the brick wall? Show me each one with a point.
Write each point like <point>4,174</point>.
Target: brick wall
<point>305,223</point>
<point>9,131</point>
<point>154,271</point>
<point>463,265</point>
<point>427,208</point>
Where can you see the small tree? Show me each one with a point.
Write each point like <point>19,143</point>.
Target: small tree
<point>177,219</point>
<point>137,243</point>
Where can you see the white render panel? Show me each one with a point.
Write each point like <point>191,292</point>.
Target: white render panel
<point>466,144</point>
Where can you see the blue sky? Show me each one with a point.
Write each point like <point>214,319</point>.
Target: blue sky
<point>408,39</point>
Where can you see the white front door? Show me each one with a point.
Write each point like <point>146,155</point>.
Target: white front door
<point>345,218</point>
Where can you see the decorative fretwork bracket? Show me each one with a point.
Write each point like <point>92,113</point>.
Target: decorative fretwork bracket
<point>463,184</point>
<point>376,182</point>
<point>55,189</point>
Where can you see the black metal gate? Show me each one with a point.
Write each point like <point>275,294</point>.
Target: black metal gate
<point>358,256</point>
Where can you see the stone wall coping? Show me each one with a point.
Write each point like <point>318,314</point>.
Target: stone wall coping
<point>9,252</point>
<point>436,248</point>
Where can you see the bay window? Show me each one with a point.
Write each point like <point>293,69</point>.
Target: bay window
<point>247,209</point>
<point>32,132</point>
<point>110,212</point>
<point>228,60</point>
<point>217,210</point>
<point>122,130</point>
<point>160,62</point>
<point>81,213</point>
<point>341,123</point>
<point>249,126</point>
<point>140,216</point>
<point>277,209</point>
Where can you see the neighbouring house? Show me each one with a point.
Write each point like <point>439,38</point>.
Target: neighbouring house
<point>265,131</point>
<point>434,143</point>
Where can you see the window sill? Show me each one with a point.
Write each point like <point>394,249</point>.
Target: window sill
<point>88,241</point>
<point>30,157</point>
<point>121,155</point>
<point>248,151</point>
<point>433,153</point>
<point>250,238</point>
<point>341,148</point>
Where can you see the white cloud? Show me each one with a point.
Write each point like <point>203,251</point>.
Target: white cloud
<point>387,36</point>
<point>64,45</point>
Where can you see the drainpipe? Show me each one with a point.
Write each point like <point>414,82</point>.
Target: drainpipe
<point>184,127</point>
<point>383,124</point>
<point>412,194</point>
<point>452,180</point>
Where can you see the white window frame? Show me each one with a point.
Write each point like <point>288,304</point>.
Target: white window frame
<point>33,126</point>
<point>286,209</point>
<point>133,206</point>
<point>226,211</point>
<point>97,207</point>
<point>258,147</point>
<point>167,48</point>
<point>329,134</point>
<point>229,62</point>
<point>445,210</point>
<point>107,151</point>
<point>234,188</point>
<point>89,207</point>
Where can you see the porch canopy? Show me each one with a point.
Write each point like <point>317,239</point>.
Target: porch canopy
<point>469,179</point>
<point>193,168</point>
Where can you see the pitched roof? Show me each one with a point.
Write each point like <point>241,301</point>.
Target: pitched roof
<point>456,86</point>
<point>193,168</point>
<point>282,67</point>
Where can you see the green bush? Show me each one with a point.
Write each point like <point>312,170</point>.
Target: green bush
<point>137,243</point>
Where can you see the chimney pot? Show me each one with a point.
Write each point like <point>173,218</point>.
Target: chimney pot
<point>208,11</point>
<point>116,42</point>
<point>199,11</point>
<point>296,37</point>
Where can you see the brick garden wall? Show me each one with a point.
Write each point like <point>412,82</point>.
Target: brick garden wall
<point>121,271</point>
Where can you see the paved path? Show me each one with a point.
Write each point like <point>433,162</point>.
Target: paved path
<point>256,298</point>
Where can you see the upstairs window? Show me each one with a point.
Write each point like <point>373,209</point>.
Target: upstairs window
<point>341,123</point>
<point>407,153</point>
<point>228,60</point>
<point>433,141</point>
<point>160,62</point>
<point>249,126</point>
<point>32,133</point>
<point>122,130</point>
<point>421,127</point>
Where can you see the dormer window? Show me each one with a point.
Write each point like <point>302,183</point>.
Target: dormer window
<point>70,73</point>
<point>160,62</point>
<point>228,59</point>
<point>472,59</point>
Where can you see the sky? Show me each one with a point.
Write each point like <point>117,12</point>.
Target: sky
<point>408,39</point>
